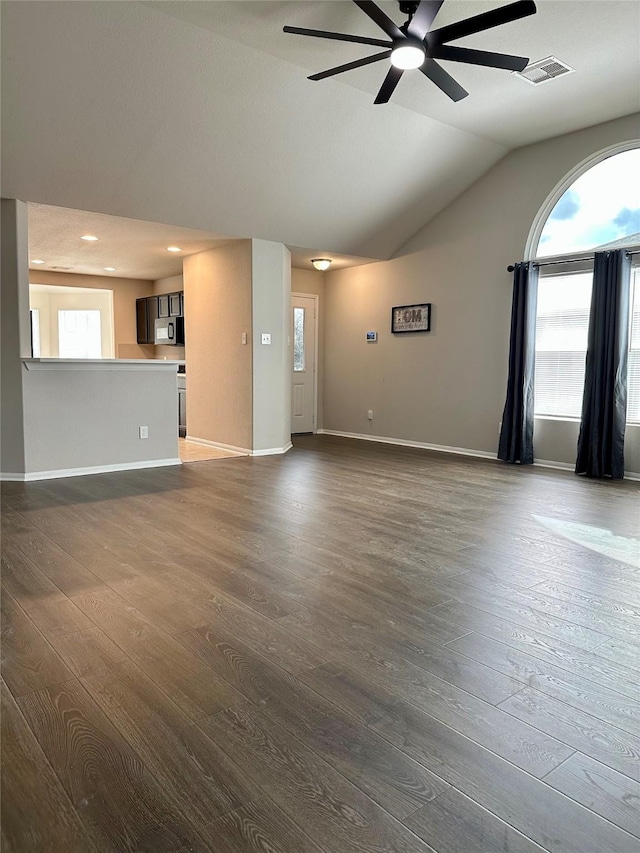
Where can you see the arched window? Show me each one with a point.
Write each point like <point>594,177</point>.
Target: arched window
<point>598,210</point>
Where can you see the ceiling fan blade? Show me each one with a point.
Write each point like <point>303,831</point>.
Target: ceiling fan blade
<point>478,23</point>
<point>443,80</point>
<point>322,34</point>
<point>379,17</point>
<point>358,63</point>
<point>389,84</point>
<point>480,57</point>
<point>423,18</point>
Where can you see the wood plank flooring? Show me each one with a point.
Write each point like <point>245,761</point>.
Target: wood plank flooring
<point>348,649</point>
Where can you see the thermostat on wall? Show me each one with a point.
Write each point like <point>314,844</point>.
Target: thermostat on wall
<point>372,337</point>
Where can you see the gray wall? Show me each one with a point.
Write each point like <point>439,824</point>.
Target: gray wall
<point>84,418</point>
<point>447,387</point>
<point>271,311</point>
<point>16,333</point>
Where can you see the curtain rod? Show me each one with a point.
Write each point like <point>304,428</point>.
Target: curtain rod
<point>511,267</point>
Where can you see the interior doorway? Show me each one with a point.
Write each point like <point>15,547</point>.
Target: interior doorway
<point>304,385</point>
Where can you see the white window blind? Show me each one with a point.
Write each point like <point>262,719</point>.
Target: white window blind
<point>562,323</point>
<point>633,382</point>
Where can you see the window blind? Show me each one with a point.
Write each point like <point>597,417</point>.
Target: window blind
<point>562,323</point>
<point>633,381</point>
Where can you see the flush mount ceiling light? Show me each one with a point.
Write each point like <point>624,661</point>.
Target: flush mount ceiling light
<point>408,55</point>
<point>321,264</point>
<point>415,45</point>
<point>37,262</point>
<point>174,249</point>
<point>89,237</point>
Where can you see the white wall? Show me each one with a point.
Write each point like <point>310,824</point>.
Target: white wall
<point>447,387</point>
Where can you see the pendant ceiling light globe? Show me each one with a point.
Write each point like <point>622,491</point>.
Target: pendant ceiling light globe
<point>408,55</point>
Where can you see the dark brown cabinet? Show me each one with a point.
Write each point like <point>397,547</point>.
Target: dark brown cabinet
<point>163,306</point>
<point>142,324</point>
<point>151,308</point>
<point>175,305</point>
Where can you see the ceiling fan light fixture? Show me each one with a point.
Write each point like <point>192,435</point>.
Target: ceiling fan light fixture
<point>408,55</point>
<point>321,264</point>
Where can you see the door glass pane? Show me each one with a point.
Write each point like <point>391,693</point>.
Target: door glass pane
<point>298,339</point>
<point>79,334</point>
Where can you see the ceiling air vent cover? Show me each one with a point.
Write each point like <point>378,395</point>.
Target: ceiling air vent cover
<point>544,70</point>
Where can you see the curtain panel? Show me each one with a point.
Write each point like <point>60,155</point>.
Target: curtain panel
<point>604,403</point>
<point>516,432</point>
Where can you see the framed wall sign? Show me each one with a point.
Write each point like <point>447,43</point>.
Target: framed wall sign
<point>411,318</point>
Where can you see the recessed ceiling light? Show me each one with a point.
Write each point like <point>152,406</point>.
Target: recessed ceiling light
<point>38,262</point>
<point>89,237</point>
<point>174,249</point>
<point>109,269</point>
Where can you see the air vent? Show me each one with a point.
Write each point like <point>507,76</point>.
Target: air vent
<point>544,70</point>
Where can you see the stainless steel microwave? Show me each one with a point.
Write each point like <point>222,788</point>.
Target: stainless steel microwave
<point>169,331</point>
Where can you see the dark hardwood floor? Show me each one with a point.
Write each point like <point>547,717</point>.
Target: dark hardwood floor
<point>349,649</point>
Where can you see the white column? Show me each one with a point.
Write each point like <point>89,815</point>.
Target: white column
<point>271,308</point>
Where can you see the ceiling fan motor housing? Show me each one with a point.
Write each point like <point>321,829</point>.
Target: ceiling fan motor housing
<point>408,7</point>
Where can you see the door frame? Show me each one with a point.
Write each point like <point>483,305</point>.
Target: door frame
<point>316,319</point>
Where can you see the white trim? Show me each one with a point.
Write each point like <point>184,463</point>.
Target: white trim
<point>100,364</point>
<point>272,451</point>
<point>93,469</point>
<point>458,451</point>
<point>241,451</point>
<point>401,442</point>
<point>316,312</point>
<point>569,178</point>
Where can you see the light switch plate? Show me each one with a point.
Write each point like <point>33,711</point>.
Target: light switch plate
<point>266,338</point>
<point>244,337</point>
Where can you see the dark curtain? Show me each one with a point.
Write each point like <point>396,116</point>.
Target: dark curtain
<point>604,403</point>
<point>516,433</point>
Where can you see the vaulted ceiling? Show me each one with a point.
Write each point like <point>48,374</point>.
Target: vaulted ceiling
<point>199,114</point>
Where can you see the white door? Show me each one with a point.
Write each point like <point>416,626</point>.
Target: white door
<point>303,377</point>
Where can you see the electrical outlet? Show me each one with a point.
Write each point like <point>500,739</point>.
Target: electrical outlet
<point>370,415</point>
<point>144,432</point>
<point>244,337</point>
<point>266,338</point>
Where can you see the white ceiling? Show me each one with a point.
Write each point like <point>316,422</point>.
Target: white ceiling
<point>136,249</point>
<point>200,114</point>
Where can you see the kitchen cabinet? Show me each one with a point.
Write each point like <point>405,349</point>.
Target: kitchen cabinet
<point>142,324</point>
<point>182,405</point>
<point>175,305</point>
<point>163,306</point>
<point>151,308</point>
<point>152,316</point>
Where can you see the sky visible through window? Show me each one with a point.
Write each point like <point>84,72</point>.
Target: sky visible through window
<point>600,207</point>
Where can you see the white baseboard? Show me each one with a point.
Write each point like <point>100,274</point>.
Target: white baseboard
<point>272,451</point>
<point>401,442</point>
<point>59,473</point>
<point>241,451</point>
<point>458,451</point>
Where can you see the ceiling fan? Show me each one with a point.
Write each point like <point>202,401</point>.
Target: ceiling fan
<point>416,45</point>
